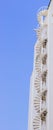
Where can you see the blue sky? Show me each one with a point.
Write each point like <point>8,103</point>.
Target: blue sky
<point>17,39</point>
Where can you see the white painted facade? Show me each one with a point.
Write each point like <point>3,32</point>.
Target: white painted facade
<point>41,82</point>
<point>50,65</point>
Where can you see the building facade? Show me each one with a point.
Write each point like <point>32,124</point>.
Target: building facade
<point>41,82</point>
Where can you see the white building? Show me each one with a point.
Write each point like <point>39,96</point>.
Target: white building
<point>41,84</point>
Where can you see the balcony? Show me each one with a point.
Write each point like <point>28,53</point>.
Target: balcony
<point>44,75</point>
<point>43,94</point>
<point>44,43</point>
<point>44,59</point>
<point>43,115</point>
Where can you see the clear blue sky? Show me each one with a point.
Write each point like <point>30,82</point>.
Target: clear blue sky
<point>17,39</point>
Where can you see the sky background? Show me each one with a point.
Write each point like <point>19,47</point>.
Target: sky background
<point>17,39</point>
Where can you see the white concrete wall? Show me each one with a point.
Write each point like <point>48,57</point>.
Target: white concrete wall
<point>30,116</point>
<point>32,112</point>
<point>50,77</point>
<point>50,65</point>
